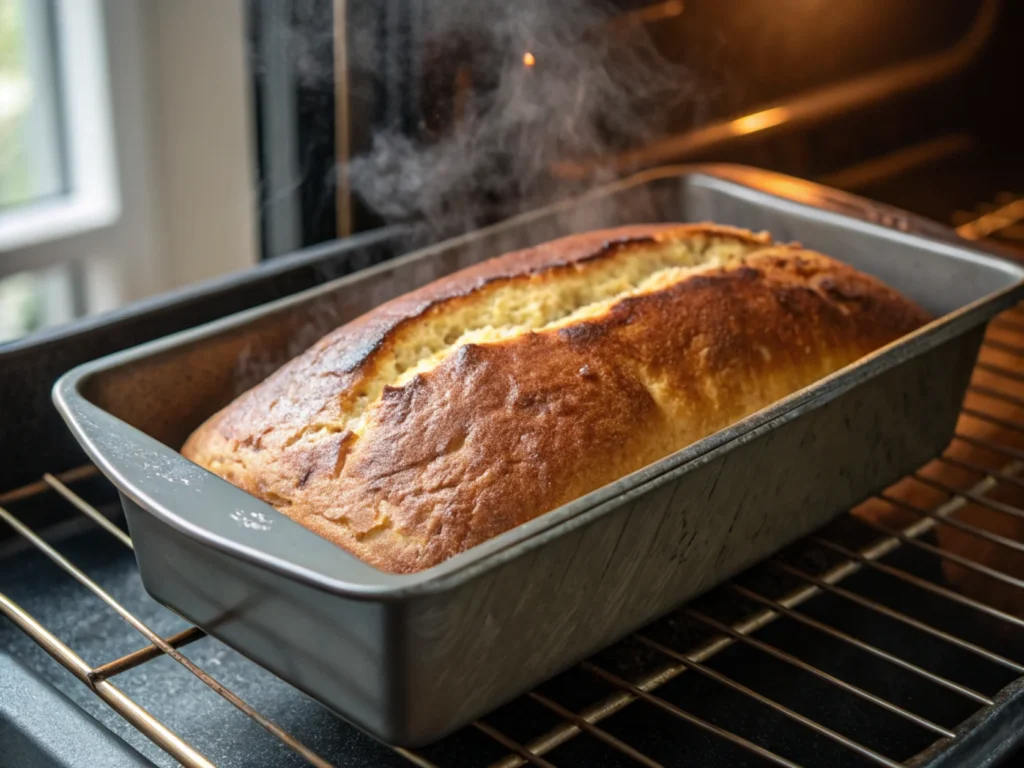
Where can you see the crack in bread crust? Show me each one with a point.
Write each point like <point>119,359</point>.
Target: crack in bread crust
<point>457,412</point>
<point>541,302</point>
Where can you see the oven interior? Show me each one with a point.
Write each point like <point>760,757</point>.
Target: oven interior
<point>892,637</point>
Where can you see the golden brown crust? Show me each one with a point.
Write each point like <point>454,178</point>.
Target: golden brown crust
<point>493,434</point>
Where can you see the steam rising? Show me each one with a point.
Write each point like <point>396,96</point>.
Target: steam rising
<point>536,82</point>
<point>507,90</point>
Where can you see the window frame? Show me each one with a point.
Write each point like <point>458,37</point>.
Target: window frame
<point>92,197</point>
<point>41,128</point>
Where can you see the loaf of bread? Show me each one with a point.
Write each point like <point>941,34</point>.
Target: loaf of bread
<point>480,401</point>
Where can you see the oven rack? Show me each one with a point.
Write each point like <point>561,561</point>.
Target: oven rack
<point>996,400</point>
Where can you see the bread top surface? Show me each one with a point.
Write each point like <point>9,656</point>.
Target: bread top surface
<point>478,402</point>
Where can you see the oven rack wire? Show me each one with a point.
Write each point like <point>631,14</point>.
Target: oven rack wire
<point>998,385</point>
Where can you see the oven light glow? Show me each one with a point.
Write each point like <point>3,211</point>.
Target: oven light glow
<point>529,59</point>
<point>758,121</point>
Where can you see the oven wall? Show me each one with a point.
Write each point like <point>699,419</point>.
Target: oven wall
<point>418,77</point>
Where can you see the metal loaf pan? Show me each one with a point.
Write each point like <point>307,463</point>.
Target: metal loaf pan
<point>412,657</point>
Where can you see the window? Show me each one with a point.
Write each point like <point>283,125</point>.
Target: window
<point>33,300</point>
<point>57,171</point>
<point>31,148</point>
<point>149,142</point>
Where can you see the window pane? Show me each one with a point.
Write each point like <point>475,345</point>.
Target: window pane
<point>30,146</point>
<point>30,301</point>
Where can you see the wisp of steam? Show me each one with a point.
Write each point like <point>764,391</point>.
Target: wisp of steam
<point>552,80</point>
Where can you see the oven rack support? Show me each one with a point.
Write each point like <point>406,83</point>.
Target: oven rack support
<point>1010,471</point>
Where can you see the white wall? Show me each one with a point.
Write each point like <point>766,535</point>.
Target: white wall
<point>185,137</point>
<point>205,142</point>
